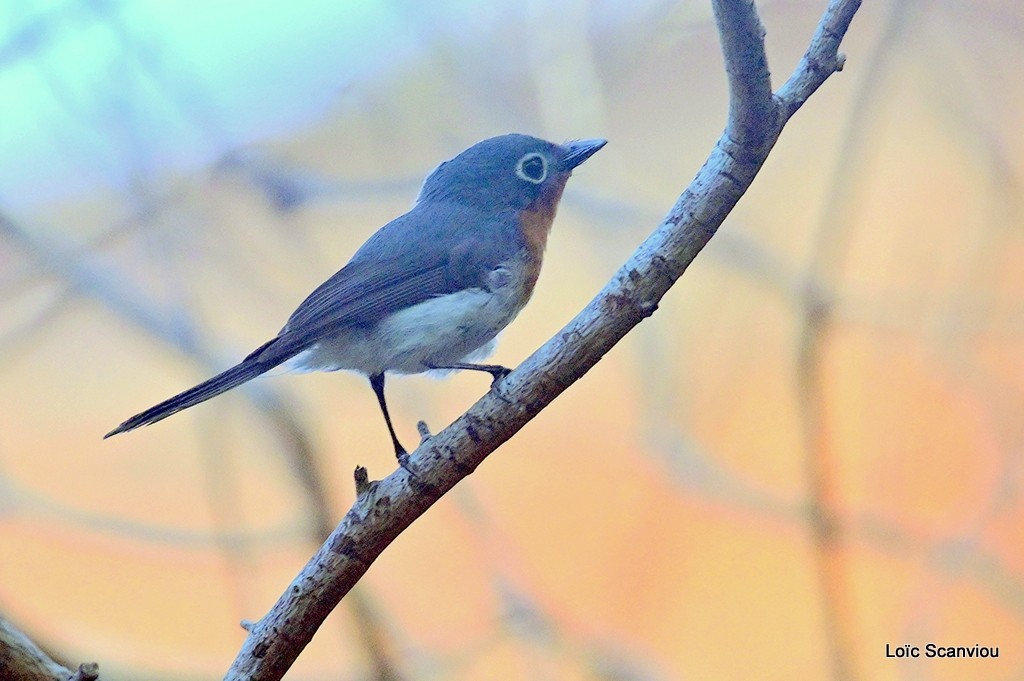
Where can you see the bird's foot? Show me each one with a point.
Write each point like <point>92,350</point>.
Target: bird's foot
<point>403,462</point>
<point>498,372</point>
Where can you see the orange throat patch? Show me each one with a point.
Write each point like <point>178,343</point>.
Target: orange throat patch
<point>535,224</point>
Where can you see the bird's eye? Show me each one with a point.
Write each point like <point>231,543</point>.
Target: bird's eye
<point>532,168</point>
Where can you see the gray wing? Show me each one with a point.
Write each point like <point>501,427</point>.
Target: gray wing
<point>432,250</point>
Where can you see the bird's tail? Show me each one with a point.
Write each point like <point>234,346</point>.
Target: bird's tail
<point>246,370</point>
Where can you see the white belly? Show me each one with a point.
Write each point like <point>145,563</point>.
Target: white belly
<point>452,328</point>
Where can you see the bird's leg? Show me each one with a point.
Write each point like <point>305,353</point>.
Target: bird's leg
<point>496,371</point>
<point>377,383</point>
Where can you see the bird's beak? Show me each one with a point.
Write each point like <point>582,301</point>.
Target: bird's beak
<point>578,151</point>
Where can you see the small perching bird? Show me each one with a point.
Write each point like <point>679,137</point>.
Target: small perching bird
<point>431,289</point>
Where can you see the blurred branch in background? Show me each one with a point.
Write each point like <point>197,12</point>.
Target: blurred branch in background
<point>817,316</point>
<point>287,188</point>
<point>525,617</point>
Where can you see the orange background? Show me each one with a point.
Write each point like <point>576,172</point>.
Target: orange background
<point>657,521</point>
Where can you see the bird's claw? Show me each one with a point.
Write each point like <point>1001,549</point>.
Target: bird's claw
<point>498,374</point>
<point>403,462</point>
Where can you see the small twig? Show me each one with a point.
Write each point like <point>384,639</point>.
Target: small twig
<point>822,58</point>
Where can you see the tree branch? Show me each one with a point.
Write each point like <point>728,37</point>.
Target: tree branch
<point>23,660</point>
<point>382,510</point>
<point>821,59</point>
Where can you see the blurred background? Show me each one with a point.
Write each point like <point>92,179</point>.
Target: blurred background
<point>812,450</point>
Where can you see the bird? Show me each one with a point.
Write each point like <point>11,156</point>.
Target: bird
<point>430,290</point>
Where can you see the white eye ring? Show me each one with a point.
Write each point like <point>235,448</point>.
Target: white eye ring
<point>522,174</point>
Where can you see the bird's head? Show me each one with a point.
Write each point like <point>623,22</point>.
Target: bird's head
<point>509,172</point>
